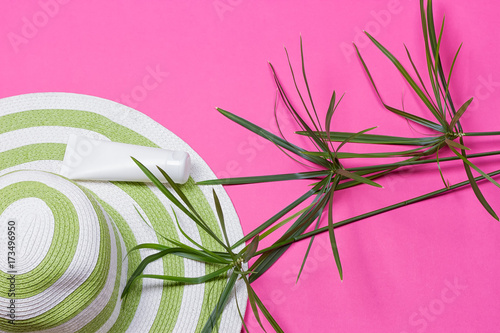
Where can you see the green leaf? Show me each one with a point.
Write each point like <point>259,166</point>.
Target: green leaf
<point>460,112</point>
<point>181,195</point>
<point>152,246</point>
<point>356,177</point>
<point>165,191</point>
<point>328,121</point>
<point>219,308</point>
<point>451,143</point>
<point>282,223</point>
<point>245,328</point>
<point>434,67</point>
<point>315,140</point>
<point>477,191</point>
<point>410,81</point>
<point>141,268</point>
<point>343,155</point>
<point>409,116</point>
<point>265,261</point>
<point>184,252</point>
<point>252,248</point>
<point>267,314</point>
<point>282,91</point>
<point>264,310</point>
<point>253,302</point>
<point>353,136</point>
<point>217,256</point>
<point>332,233</point>
<point>149,259</point>
<point>473,182</point>
<point>447,94</point>
<point>220,214</point>
<point>190,213</point>
<point>377,139</point>
<point>429,22</point>
<point>472,165</point>
<point>188,280</point>
<point>329,114</point>
<point>265,179</point>
<point>308,248</point>
<point>306,83</point>
<point>418,74</point>
<point>318,220</point>
<point>277,216</point>
<point>273,138</point>
<point>445,182</point>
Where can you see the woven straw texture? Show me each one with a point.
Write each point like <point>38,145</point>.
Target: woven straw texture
<point>70,238</point>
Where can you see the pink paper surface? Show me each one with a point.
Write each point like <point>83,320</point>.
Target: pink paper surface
<point>429,267</point>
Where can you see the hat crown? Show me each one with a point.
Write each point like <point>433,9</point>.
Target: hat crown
<point>62,265</point>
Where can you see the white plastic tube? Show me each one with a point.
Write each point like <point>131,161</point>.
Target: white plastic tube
<point>89,159</point>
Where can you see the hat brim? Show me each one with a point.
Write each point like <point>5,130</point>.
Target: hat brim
<point>34,130</point>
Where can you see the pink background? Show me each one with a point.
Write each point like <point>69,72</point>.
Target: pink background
<point>398,267</point>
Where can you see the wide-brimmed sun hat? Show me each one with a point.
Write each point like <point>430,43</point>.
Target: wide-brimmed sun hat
<point>64,244</point>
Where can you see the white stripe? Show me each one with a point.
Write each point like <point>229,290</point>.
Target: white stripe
<point>116,312</point>
<point>124,205</point>
<point>49,166</point>
<point>156,133</point>
<point>87,250</point>
<point>99,303</point>
<point>46,134</point>
<point>32,232</point>
<point>192,300</point>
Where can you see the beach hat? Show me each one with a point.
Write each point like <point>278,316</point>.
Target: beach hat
<point>64,243</point>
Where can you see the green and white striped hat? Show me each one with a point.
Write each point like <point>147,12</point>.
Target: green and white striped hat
<point>64,243</point>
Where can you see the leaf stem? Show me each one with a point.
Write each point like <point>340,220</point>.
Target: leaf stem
<point>372,213</point>
<point>434,160</point>
<point>481,133</point>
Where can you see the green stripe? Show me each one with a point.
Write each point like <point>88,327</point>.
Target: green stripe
<point>73,118</point>
<point>213,289</point>
<point>117,133</point>
<point>105,314</point>
<point>80,298</point>
<point>32,153</point>
<point>63,244</point>
<point>171,297</point>
<point>129,305</point>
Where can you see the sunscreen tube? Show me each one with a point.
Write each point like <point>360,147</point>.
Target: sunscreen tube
<point>89,159</point>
